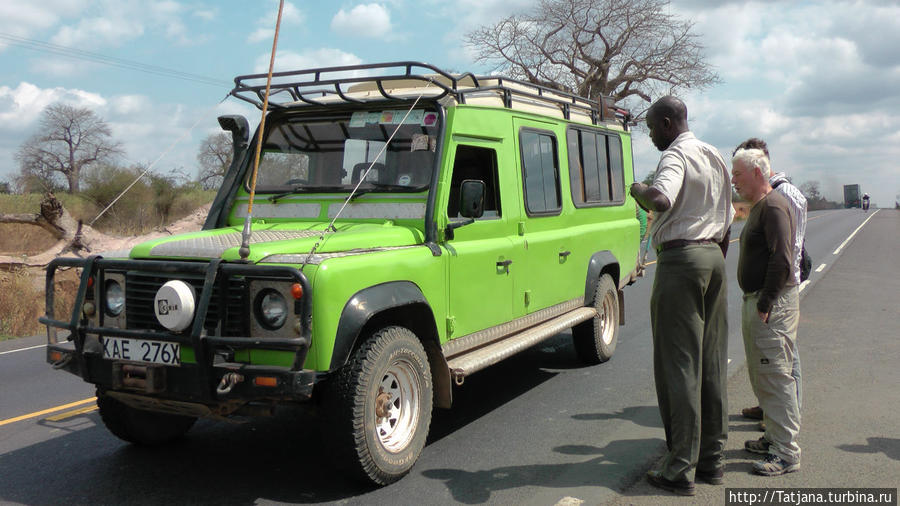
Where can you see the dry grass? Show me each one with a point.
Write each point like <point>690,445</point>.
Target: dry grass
<point>22,300</point>
<point>22,289</point>
<point>24,239</point>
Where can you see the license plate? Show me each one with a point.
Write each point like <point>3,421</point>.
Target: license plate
<point>141,350</point>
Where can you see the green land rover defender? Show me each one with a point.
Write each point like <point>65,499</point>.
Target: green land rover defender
<point>405,227</point>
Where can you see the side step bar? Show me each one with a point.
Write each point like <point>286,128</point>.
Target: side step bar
<point>476,360</point>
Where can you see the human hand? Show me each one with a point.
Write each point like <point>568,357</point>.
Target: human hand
<point>763,316</point>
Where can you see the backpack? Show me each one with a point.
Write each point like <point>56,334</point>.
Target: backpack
<point>805,263</point>
<point>805,259</point>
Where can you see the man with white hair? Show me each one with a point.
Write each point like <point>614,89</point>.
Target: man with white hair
<point>770,311</point>
<point>797,200</point>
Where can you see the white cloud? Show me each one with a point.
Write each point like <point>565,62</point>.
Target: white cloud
<point>20,107</point>
<point>207,14</point>
<point>24,18</point>
<point>20,110</point>
<point>129,104</point>
<point>112,23</point>
<point>261,34</point>
<point>265,25</point>
<point>95,32</point>
<point>314,58</point>
<point>364,20</point>
<point>464,16</point>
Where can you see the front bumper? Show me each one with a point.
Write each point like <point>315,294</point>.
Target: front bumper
<point>212,379</point>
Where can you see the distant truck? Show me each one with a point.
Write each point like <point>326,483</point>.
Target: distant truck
<point>851,196</point>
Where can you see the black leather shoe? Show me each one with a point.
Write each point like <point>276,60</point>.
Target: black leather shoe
<point>681,487</point>
<point>714,477</point>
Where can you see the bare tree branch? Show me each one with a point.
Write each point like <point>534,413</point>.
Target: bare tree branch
<point>69,139</point>
<point>620,48</point>
<point>214,158</point>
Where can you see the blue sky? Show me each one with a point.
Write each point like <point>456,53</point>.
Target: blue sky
<point>820,81</point>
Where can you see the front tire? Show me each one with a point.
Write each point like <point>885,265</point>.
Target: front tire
<point>147,428</point>
<point>595,340</point>
<point>382,406</point>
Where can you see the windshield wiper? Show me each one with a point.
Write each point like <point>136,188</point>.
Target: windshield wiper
<point>305,189</point>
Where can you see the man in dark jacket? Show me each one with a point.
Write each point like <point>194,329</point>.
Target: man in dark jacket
<point>770,311</point>
<point>797,200</point>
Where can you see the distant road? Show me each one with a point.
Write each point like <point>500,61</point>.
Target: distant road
<point>534,429</point>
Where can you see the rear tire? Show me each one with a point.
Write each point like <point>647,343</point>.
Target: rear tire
<point>381,405</point>
<point>595,340</point>
<point>147,428</point>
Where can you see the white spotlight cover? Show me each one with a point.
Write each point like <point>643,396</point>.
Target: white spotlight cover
<point>174,305</point>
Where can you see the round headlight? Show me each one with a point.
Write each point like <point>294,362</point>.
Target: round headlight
<point>271,309</point>
<point>115,298</point>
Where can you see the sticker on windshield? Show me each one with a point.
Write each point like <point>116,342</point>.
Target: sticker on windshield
<point>390,117</point>
<point>430,119</point>
<point>359,119</point>
<point>415,117</point>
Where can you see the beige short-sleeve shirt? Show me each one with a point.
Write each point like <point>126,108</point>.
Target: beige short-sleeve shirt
<point>695,179</point>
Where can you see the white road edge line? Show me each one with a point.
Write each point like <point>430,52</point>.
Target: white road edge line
<point>803,285</point>
<point>24,349</point>
<point>820,268</point>
<point>838,250</point>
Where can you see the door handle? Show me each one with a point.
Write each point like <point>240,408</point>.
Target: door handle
<point>504,263</point>
<point>564,254</point>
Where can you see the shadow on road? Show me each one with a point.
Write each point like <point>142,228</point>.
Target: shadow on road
<point>283,458</point>
<point>645,416</point>
<point>887,445</point>
<point>279,459</point>
<point>604,469</point>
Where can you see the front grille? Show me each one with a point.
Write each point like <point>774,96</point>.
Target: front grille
<point>229,305</point>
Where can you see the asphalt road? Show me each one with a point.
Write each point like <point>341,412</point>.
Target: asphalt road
<point>536,429</point>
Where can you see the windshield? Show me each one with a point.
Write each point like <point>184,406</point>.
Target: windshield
<point>303,154</point>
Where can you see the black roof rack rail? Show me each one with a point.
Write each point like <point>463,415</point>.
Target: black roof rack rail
<point>329,85</point>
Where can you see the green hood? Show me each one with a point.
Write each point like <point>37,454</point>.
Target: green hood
<point>279,239</point>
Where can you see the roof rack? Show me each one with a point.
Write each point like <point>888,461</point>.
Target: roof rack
<point>403,80</point>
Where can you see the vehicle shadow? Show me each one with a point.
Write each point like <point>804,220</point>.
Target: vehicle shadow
<point>283,458</point>
<point>606,469</point>
<point>887,445</point>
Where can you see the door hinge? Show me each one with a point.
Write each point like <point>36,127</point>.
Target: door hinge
<point>451,325</point>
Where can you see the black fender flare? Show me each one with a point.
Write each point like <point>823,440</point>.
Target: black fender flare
<point>604,262</point>
<point>391,299</point>
<point>600,262</point>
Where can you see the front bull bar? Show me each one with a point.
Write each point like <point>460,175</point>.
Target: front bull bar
<point>296,381</point>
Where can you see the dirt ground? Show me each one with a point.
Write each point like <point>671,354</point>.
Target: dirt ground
<point>30,248</point>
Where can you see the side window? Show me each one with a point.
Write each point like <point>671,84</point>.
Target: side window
<point>596,169</point>
<point>540,172</point>
<point>473,162</point>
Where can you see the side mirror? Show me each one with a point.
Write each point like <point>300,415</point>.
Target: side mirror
<point>239,128</point>
<point>471,198</point>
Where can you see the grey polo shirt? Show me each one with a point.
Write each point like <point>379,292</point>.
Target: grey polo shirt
<point>695,179</point>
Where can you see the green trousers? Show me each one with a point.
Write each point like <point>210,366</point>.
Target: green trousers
<point>688,308</point>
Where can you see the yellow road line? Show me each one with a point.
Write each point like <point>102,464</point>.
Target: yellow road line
<point>45,411</point>
<point>69,414</point>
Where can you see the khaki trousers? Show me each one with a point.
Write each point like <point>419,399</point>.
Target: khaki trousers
<point>770,349</point>
<point>690,356</point>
